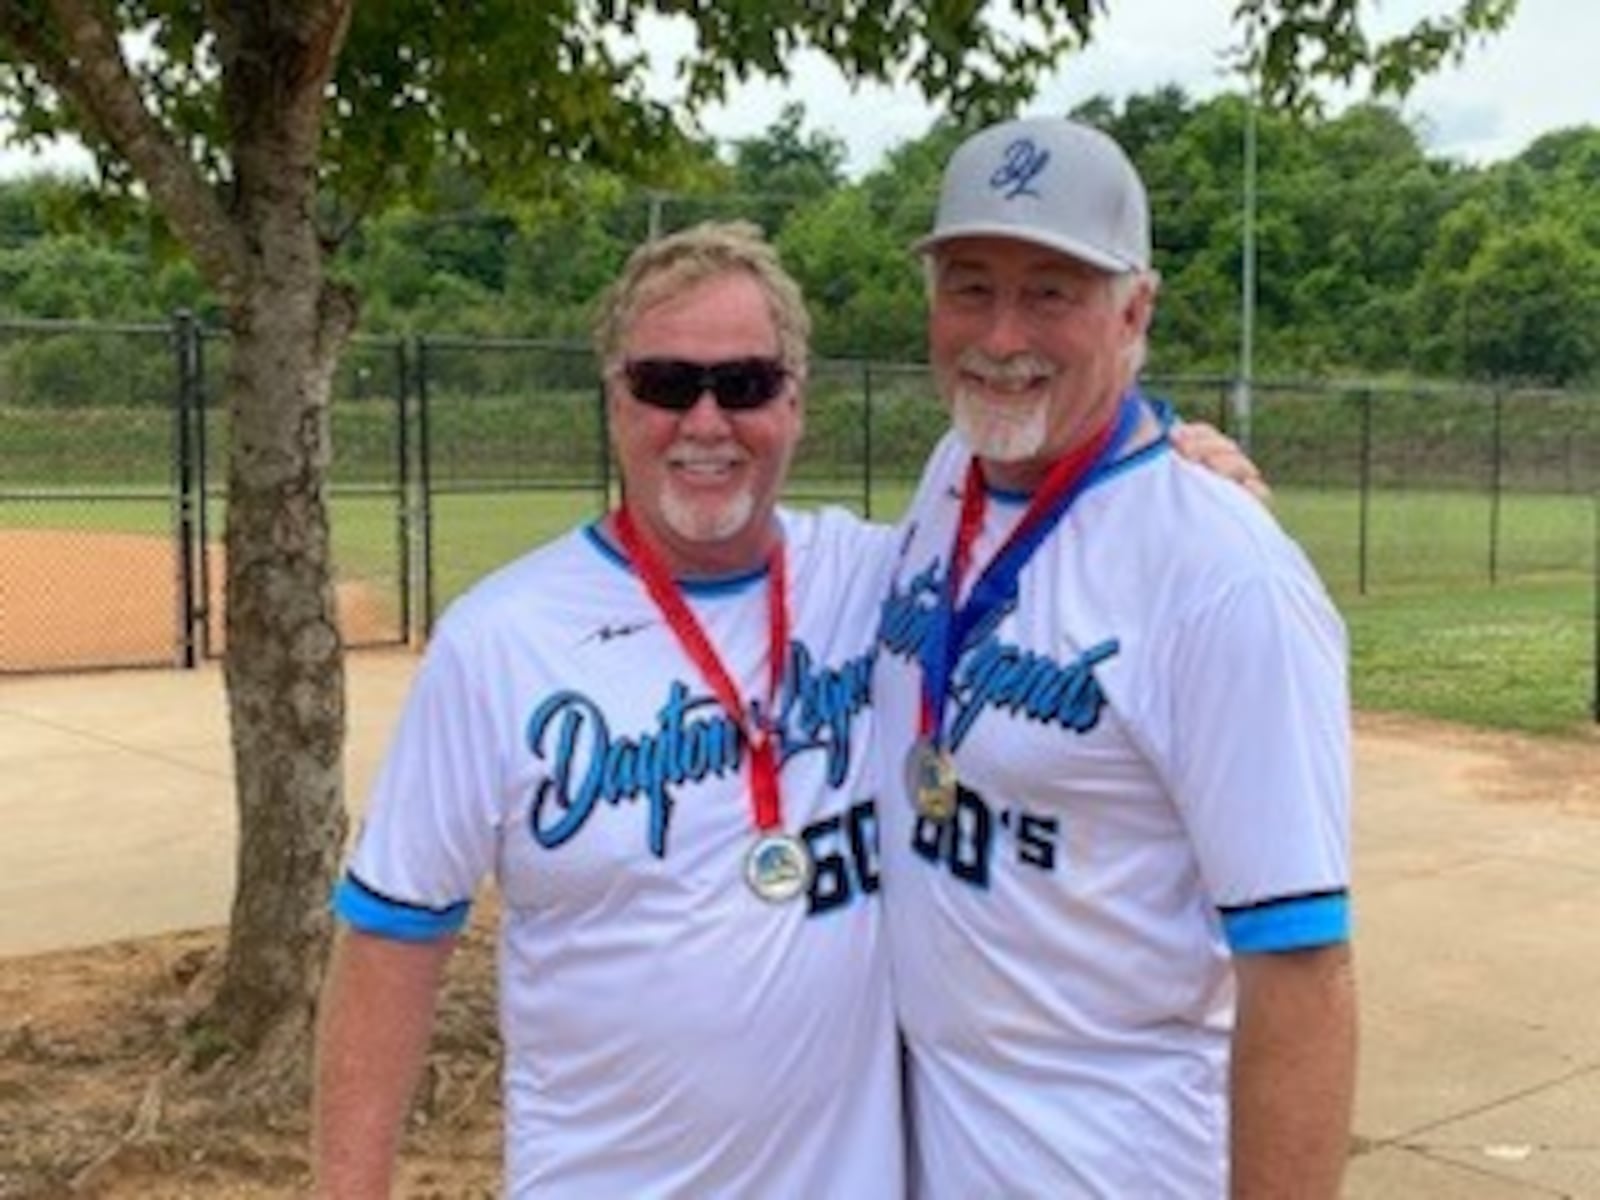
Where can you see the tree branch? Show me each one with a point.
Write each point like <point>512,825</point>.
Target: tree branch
<point>87,69</point>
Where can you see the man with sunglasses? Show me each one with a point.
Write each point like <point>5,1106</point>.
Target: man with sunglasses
<point>655,733</point>
<point>1116,856</point>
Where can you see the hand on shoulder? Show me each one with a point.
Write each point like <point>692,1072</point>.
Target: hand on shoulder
<point>1203,443</point>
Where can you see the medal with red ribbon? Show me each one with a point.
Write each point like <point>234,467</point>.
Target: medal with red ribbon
<point>930,766</point>
<point>778,866</point>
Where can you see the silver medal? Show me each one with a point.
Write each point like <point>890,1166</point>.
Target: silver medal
<point>778,867</point>
<point>931,780</point>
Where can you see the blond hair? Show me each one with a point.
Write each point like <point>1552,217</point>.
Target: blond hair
<point>664,268</point>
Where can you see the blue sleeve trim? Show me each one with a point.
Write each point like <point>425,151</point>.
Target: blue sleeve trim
<point>382,916</point>
<point>1294,923</point>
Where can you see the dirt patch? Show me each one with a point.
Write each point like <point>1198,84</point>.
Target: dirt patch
<point>94,1100</point>
<point>1517,768</point>
<point>77,599</point>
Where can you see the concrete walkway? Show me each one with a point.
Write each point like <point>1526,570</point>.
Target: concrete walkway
<point>1478,920</point>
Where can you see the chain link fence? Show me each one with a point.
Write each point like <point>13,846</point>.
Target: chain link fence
<point>113,496</point>
<point>1407,486</point>
<point>452,456</point>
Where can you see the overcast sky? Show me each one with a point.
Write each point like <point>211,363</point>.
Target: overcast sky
<point>1538,75</point>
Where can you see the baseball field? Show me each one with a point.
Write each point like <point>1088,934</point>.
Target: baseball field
<point>1440,626</point>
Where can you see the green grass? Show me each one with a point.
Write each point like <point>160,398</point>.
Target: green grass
<point>1437,538</point>
<point>148,514</point>
<point>1431,636</point>
<point>475,532</point>
<point>1516,656</point>
<point>1443,631</point>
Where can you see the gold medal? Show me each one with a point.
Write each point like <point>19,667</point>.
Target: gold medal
<point>778,867</point>
<point>931,780</point>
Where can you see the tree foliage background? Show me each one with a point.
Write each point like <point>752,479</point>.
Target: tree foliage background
<point>1374,257</point>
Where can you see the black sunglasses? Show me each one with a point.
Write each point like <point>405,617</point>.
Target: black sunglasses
<point>676,384</point>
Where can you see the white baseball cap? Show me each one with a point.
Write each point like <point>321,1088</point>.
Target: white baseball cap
<point>1049,181</point>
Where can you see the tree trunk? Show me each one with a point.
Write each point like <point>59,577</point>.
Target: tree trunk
<point>284,658</point>
<point>284,667</point>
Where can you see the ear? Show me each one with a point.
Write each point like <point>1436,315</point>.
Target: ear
<point>1140,306</point>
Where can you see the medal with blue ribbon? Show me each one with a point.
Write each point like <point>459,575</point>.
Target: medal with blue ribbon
<point>930,767</point>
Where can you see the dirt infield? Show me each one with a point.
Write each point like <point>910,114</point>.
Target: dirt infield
<point>80,598</point>
<point>1511,767</point>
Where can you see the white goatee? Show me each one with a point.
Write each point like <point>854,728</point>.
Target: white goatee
<point>1014,426</point>
<point>1003,431</point>
<point>699,518</point>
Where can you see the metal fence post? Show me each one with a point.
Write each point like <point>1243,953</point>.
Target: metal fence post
<point>183,339</point>
<point>604,448</point>
<point>403,462</point>
<point>1496,450</point>
<point>202,474</point>
<point>1365,505</point>
<point>866,438</point>
<point>424,481</point>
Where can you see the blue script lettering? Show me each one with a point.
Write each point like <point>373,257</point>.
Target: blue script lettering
<point>587,765</point>
<point>905,621</point>
<point>906,616</point>
<point>992,673</point>
<point>819,706</point>
<point>996,675</point>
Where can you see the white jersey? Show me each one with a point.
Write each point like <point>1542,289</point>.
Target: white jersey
<point>667,1032</point>
<point>1153,751</point>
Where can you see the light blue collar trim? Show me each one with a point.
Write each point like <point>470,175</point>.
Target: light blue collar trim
<point>699,585</point>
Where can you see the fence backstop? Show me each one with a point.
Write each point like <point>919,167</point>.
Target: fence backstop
<point>453,455</point>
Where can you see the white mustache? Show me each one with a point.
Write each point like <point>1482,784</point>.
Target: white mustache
<point>1018,368</point>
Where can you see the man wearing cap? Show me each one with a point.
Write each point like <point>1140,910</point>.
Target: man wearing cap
<point>1116,858</point>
